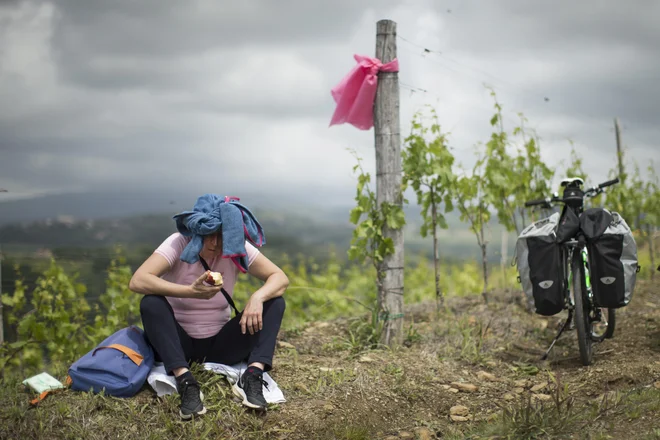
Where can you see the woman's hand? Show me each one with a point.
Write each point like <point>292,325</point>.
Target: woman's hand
<point>252,315</point>
<point>201,290</point>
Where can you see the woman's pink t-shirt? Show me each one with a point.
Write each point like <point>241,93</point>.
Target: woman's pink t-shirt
<point>200,318</point>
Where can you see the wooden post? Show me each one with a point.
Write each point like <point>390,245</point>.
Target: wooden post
<point>2,311</point>
<point>505,257</point>
<point>619,153</point>
<point>651,234</point>
<point>2,321</point>
<point>388,183</point>
<point>439,299</point>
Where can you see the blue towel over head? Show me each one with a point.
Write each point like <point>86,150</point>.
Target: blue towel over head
<point>212,213</point>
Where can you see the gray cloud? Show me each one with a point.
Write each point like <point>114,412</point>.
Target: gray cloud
<point>519,26</point>
<point>159,95</point>
<point>152,43</point>
<point>153,27</point>
<point>594,60</point>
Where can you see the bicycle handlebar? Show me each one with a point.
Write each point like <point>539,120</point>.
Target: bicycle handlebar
<point>588,193</point>
<point>536,202</point>
<point>608,183</point>
<point>591,192</point>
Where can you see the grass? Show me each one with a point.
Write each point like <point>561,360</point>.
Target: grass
<point>339,385</point>
<point>564,417</point>
<point>531,418</point>
<point>84,415</point>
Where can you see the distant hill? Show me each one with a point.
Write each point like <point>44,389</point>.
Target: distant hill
<point>294,223</point>
<point>310,232</point>
<point>101,205</point>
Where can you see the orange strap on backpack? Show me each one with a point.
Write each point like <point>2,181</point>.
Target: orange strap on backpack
<point>132,354</point>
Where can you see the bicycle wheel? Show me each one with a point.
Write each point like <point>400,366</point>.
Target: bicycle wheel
<point>582,323</point>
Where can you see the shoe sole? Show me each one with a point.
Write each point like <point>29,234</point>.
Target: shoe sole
<point>198,413</point>
<point>191,415</point>
<point>238,392</point>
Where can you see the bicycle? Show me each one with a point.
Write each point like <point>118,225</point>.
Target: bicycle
<point>574,261</point>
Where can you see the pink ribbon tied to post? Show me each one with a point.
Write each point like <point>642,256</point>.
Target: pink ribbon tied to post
<point>356,92</point>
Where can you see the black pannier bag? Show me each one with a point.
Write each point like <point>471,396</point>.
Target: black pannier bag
<point>613,263</point>
<point>568,227</point>
<point>538,257</point>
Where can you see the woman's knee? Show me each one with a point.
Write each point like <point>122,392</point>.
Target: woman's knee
<point>277,304</point>
<point>152,304</point>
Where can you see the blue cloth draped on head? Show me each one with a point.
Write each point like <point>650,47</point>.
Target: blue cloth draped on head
<point>212,213</point>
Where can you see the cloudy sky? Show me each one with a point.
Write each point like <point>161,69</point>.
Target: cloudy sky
<point>229,96</point>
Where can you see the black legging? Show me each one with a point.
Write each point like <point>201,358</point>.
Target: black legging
<point>174,347</point>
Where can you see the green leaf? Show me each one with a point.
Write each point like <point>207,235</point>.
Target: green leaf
<point>8,300</point>
<point>18,345</point>
<point>442,222</point>
<point>355,215</point>
<point>396,218</point>
<point>362,230</point>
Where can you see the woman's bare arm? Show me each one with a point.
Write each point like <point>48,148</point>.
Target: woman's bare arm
<point>147,280</point>
<point>275,284</point>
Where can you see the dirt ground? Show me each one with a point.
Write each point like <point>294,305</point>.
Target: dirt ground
<point>470,371</point>
<point>496,348</point>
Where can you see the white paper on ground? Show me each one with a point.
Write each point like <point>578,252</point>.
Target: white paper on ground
<point>165,384</point>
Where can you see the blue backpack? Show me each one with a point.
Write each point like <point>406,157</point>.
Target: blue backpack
<point>119,365</point>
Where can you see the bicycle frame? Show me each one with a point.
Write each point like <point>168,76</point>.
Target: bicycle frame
<point>585,261</point>
<point>575,203</point>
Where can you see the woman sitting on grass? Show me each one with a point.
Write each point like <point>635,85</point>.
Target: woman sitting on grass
<point>186,319</point>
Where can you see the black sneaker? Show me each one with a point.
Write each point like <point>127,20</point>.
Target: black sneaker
<point>250,389</point>
<point>191,399</point>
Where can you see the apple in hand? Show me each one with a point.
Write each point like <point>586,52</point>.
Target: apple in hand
<point>214,278</point>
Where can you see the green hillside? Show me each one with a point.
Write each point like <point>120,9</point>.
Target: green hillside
<point>314,233</point>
